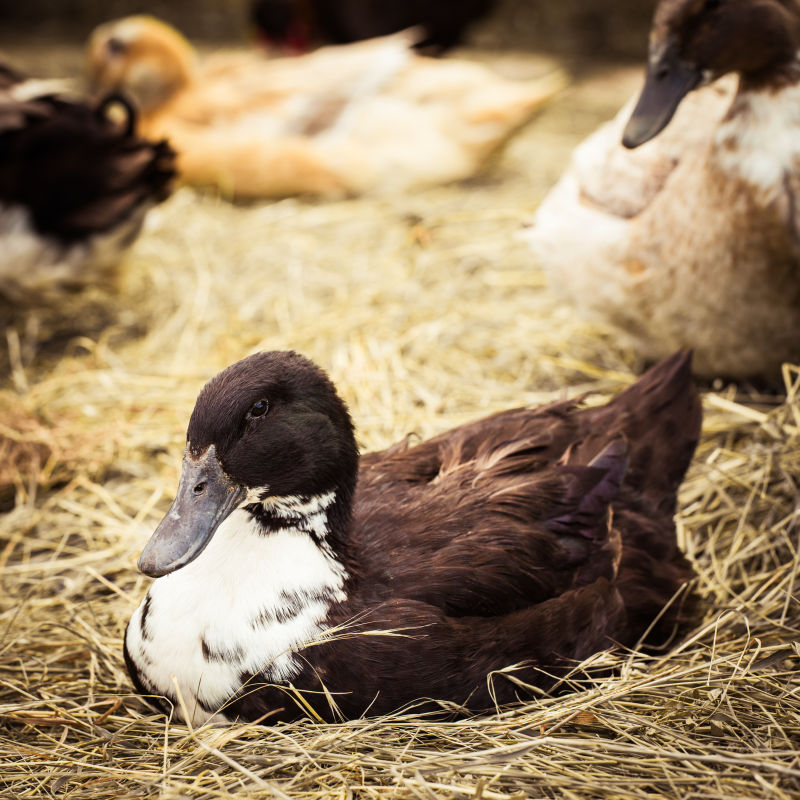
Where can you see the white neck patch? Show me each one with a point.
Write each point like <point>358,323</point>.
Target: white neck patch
<point>759,139</point>
<point>307,514</point>
<point>245,605</point>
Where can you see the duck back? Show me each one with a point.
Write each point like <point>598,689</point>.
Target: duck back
<point>522,482</point>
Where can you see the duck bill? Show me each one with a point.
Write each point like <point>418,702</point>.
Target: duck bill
<point>667,82</point>
<point>205,498</point>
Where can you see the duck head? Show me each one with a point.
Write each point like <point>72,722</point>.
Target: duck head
<point>694,42</point>
<point>268,434</point>
<point>141,56</point>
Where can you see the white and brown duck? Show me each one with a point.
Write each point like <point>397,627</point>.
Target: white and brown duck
<point>75,185</point>
<point>693,238</point>
<point>532,538</point>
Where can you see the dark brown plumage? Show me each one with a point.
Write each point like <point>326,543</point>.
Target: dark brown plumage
<point>532,537</point>
<point>71,175</point>
<point>294,23</point>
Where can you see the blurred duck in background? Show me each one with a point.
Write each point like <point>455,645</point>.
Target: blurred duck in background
<point>370,116</point>
<point>693,239</point>
<point>295,25</point>
<point>75,185</point>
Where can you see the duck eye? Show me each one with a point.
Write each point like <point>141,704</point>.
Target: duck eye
<point>115,46</point>
<point>259,409</point>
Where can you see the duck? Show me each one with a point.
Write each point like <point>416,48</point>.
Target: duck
<point>344,120</point>
<point>687,202</point>
<point>76,183</point>
<point>292,25</point>
<point>293,576</point>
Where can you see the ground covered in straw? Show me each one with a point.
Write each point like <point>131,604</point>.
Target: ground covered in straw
<point>427,311</point>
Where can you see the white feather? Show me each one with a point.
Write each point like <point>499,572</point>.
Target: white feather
<point>36,268</point>
<point>233,598</point>
<point>758,139</point>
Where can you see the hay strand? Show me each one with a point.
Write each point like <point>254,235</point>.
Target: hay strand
<point>427,312</point>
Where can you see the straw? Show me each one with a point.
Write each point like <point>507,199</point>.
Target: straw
<point>427,311</point>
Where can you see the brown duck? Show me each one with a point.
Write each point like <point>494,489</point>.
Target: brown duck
<point>75,186</point>
<point>293,576</point>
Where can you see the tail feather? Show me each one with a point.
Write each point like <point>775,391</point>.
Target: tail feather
<point>660,417</point>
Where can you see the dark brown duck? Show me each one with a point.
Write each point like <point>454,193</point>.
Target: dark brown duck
<point>531,538</point>
<point>75,185</point>
<point>297,24</point>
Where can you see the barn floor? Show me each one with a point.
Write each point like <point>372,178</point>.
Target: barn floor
<point>427,311</point>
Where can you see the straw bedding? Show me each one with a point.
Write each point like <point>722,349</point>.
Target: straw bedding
<point>427,311</point>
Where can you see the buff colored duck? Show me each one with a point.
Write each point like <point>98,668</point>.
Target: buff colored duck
<point>693,238</point>
<point>369,116</point>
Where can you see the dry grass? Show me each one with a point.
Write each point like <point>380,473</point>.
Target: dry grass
<point>427,311</point>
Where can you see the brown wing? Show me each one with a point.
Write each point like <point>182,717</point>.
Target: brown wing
<point>513,510</point>
<point>660,416</point>
<point>488,536</point>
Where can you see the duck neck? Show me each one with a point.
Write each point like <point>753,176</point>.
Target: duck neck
<point>777,76</point>
<point>757,140</point>
<point>324,517</point>
<point>773,58</point>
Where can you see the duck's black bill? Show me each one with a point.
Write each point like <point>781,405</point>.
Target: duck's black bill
<point>667,82</point>
<point>206,496</point>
